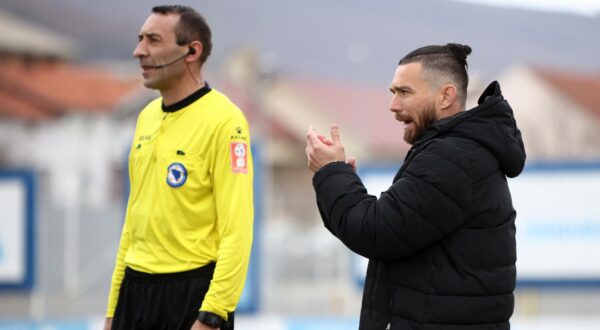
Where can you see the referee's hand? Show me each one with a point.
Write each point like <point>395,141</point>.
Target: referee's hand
<point>108,323</point>
<point>201,326</point>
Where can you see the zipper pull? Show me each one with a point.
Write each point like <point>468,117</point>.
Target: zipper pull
<point>389,326</point>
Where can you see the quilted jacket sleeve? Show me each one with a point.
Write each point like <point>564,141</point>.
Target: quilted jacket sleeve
<point>428,202</point>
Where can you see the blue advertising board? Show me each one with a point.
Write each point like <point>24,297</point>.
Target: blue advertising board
<point>17,205</point>
<point>558,222</point>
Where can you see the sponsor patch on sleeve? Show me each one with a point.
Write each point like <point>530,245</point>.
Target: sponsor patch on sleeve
<point>239,157</point>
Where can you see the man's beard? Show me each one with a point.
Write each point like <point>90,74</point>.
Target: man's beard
<point>421,122</point>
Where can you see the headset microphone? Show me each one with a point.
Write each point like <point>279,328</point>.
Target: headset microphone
<point>191,51</point>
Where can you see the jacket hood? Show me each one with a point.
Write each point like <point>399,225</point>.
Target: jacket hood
<point>491,124</point>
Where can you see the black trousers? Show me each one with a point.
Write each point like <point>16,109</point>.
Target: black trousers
<point>162,301</point>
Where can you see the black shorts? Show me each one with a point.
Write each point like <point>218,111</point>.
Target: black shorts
<point>162,301</point>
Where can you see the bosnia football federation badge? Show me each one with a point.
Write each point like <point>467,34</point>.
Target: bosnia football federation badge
<point>239,157</point>
<point>176,175</point>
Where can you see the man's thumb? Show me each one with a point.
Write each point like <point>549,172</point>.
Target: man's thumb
<point>352,162</point>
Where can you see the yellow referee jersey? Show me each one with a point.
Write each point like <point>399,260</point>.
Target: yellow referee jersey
<point>190,202</point>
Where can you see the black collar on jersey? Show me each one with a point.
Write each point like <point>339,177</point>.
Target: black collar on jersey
<point>188,100</point>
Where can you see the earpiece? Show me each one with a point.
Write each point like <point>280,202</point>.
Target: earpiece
<point>192,51</point>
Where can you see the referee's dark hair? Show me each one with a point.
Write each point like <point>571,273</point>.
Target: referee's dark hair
<point>442,65</point>
<point>192,26</point>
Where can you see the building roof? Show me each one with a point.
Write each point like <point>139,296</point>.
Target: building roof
<point>21,37</point>
<point>267,125</point>
<point>361,110</point>
<point>581,88</point>
<point>37,91</point>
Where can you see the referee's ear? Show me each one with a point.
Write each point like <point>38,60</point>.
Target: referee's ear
<point>195,52</point>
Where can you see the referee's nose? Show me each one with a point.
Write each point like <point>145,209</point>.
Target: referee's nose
<point>140,49</point>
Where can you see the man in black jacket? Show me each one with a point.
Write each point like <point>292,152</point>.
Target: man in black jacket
<point>441,239</point>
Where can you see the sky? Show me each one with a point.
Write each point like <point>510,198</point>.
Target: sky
<point>581,7</point>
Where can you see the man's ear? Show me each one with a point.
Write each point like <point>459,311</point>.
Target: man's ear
<point>196,53</point>
<point>447,96</point>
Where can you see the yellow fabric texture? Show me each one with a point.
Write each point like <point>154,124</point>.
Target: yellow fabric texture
<point>206,219</point>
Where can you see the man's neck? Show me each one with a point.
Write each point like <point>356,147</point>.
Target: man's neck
<point>181,91</point>
<point>451,111</point>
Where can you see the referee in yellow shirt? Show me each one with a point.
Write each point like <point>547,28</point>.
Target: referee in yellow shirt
<point>185,245</point>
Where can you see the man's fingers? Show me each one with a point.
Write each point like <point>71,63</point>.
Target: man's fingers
<point>335,134</point>
<point>324,140</point>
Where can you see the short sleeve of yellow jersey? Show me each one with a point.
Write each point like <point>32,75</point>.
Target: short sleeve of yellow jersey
<point>232,172</point>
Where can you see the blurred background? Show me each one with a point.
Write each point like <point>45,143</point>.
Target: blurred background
<point>70,93</point>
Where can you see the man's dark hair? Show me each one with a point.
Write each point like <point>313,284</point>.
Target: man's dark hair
<point>191,26</point>
<point>442,65</point>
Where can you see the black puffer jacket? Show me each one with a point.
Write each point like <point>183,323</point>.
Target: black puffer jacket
<point>441,240</point>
